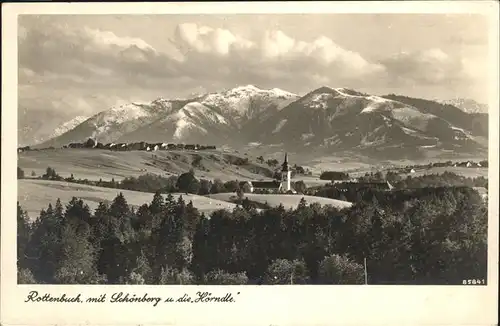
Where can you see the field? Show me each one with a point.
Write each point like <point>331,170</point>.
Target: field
<point>463,171</point>
<point>35,195</point>
<point>97,164</point>
<point>104,164</point>
<point>311,181</point>
<point>288,201</point>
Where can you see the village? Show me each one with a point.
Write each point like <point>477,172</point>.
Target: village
<point>283,180</point>
<point>135,146</point>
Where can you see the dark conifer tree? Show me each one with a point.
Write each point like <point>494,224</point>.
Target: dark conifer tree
<point>44,248</point>
<point>77,263</point>
<point>201,258</point>
<point>23,237</point>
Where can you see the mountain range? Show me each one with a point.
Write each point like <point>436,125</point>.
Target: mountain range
<point>467,105</point>
<point>326,120</point>
<point>39,125</point>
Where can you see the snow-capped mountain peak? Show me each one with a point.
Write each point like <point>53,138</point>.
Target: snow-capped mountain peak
<point>247,101</point>
<point>196,109</point>
<point>194,115</point>
<point>248,88</point>
<point>68,125</point>
<point>122,113</point>
<point>467,105</point>
<point>326,118</point>
<point>280,92</point>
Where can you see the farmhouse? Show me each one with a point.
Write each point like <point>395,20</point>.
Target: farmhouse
<point>23,149</point>
<point>137,146</point>
<point>256,186</point>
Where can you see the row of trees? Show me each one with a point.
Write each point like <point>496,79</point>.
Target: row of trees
<point>186,182</point>
<point>357,192</point>
<point>438,180</point>
<point>444,179</point>
<point>50,174</point>
<point>429,236</point>
<point>273,163</point>
<point>482,163</point>
<point>334,175</point>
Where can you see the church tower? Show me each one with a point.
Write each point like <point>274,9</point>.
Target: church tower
<point>286,175</point>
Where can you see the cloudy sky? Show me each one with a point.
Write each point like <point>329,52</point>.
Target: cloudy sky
<point>85,64</point>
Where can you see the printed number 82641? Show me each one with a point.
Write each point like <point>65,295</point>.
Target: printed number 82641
<point>473,282</point>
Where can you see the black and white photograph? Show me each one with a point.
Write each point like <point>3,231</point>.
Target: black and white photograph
<point>252,149</point>
<point>278,163</point>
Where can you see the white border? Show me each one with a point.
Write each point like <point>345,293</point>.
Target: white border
<point>265,305</point>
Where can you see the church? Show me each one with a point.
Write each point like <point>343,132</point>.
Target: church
<point>286,175</point>
<point>283,185</point>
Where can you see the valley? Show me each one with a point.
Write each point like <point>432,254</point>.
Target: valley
<point>280,174</point>
<point>194,146</point>
<point>94,164</point>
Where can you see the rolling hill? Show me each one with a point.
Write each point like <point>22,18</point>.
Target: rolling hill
<point>35,195</point>
<point>94,164</point>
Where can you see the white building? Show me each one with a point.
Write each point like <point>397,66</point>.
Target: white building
<point>286,175</point>
<point>283,185</point>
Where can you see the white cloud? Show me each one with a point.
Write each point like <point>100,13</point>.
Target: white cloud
<point>273,57</point>
<point>106,40</point>
<point>203,39</point>
<point>88,54</point>
<point>277,43</point>
<point>209,55</point>
<point>427,67</point>
<point>82,60</point>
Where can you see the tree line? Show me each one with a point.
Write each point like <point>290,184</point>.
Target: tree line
<point>356,191</point>
<point>186,182</point>
<point>139,146</point>
<point>334,175</point>
<point>471,164</point>
<point>423,236</point>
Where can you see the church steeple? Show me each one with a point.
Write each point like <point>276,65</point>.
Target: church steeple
<point>284,166</point>
<point>286,175</point>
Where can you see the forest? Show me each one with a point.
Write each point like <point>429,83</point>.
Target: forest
<point>363,190</point>
<point>432,235</point>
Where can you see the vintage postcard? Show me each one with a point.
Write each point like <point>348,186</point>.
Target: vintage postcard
<point>277,163</point>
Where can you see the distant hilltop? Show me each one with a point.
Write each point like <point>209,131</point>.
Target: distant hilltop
<point>137,146</point>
